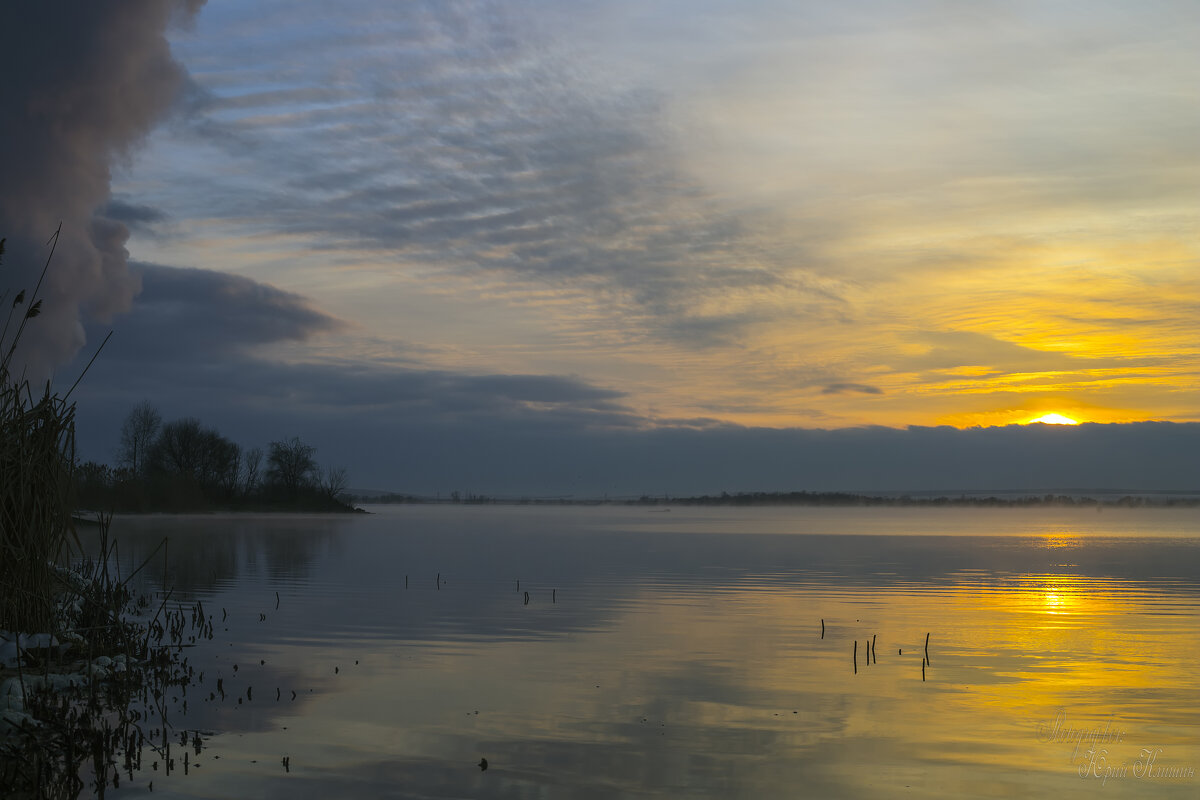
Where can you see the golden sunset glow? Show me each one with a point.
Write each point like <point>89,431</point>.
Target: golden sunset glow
<point>1055,419</point>
<point>788,217</point>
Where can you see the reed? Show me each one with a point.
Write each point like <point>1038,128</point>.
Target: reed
<point>92,693</point>
<point>37,455</point>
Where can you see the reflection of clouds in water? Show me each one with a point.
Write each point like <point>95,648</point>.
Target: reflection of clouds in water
<point>674,662</point>
<point>592,565</point>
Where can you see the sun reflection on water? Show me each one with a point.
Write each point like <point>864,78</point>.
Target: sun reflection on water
<point>709,665</point>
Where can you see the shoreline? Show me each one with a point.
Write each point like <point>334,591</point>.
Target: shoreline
<point>1098,499</point>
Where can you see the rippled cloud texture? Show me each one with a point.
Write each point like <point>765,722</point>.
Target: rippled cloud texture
<point>649,222</point>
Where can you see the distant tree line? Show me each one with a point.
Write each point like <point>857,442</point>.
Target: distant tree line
<point>851,499</point>
<point>183,465</point>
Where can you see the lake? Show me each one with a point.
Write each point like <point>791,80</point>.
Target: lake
<point>630,652</point>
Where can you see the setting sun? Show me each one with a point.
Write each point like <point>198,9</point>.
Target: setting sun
<point>1055,419</point>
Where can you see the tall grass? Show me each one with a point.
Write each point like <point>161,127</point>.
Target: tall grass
<point>37,454</point>
<point>99,714</point>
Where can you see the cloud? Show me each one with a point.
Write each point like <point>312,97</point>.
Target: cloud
<point>185,318</point>
<point>859,388</point>
<point>426,430</point>
<point>140,218</point>
<point>83,84</point>
<point>473,145</point>
<point>202,343</point>
<point>602,190</point>
<point>955,349</point>
<point>203,331</point>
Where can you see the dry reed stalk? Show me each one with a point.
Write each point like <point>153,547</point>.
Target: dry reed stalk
<point>37,458</point>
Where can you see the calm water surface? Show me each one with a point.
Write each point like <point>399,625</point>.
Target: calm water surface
<point>679,653</point>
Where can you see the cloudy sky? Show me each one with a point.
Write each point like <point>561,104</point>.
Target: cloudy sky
<point>533,245</point>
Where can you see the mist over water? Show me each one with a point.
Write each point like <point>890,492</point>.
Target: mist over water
<point>700,653</point>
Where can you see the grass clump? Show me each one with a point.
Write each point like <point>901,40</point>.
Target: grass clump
<point>37,454</point>
<point>80,675</point>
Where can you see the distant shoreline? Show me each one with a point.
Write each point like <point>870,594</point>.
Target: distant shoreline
<point>995,499</point>
<point>85,516</point>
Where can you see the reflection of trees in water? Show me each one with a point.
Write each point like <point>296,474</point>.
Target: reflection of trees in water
<point>481,557</point>
<point>206,552</point>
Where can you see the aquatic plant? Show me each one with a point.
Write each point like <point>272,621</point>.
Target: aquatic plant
<point>80,676</point>
<point>94,692</point>
<point>37,453</point>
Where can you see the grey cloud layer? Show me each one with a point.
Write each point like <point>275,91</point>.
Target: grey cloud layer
<point>83,83</point>
<point>197,315</point>
<point>423,430</point>
<point>193,342</point>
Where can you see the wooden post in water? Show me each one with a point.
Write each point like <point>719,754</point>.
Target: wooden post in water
<point>527,598</point>
<point>822,629</point>
<point>874,657</point>
<point>439,580</point>
<point>856,656</point>
<point>926,648</point>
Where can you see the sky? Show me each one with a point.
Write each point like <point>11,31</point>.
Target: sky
<point>584,247</point>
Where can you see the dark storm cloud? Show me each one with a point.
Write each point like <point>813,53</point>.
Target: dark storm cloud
<point>142,219</point>
<point>83,83</point>
<point>185,315</point>
<point>131,213</point>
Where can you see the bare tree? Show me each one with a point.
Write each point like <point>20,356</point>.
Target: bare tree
<point>179,450</point>
<point>333,481</point>
<point>250,470</point>
<point>187,449</point>
<point>137,436</point>
<point>291,466</point>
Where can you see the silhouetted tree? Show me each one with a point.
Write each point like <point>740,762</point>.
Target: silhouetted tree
<point>177,450</point>
<point>333,481</point>
<point>291,466</point>
<point>137,436</point>
<point>251,465</point>
<point>93,484</point>
<point>187,450</point>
